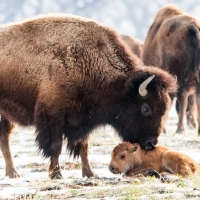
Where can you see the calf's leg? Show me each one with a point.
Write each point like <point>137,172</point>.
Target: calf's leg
<point>176,164</point>
<point>5,131</point>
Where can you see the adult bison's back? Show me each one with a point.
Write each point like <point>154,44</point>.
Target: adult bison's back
<point>173,44</point>
<point>67,75</point>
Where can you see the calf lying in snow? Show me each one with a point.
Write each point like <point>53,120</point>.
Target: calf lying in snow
<point>131,160</point>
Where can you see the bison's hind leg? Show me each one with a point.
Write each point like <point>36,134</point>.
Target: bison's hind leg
<point>5,131</point>
<point>81,148</point>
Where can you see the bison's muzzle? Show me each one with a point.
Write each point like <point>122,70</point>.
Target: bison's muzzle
<point>113,169</point>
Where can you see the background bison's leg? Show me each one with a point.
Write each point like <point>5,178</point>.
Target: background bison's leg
<point>192,111</point>
<point>182,99</point>
<point>86,167</point>
<point>172,97</point>
<point>5,131</point>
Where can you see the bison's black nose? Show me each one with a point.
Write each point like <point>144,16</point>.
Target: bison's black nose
<point>149,146</point>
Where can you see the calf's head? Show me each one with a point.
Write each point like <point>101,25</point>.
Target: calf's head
<point>142,112</point>
<point>125,156</point>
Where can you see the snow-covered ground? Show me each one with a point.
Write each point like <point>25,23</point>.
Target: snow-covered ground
<point>34,182</point>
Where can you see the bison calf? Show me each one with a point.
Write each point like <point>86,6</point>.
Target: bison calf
<point>131,160</point>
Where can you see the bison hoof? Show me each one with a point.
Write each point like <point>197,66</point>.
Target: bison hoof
<point>12,174</point>
<point>55,175</point>
<point>180,130</point>
<point>153,172</point>
<point>89,174</point>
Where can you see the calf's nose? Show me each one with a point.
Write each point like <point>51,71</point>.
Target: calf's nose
<point>111,168</point>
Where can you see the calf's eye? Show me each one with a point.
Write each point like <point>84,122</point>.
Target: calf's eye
<point>122,156</point>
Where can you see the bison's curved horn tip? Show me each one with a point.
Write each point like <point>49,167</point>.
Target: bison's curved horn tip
<point>142,89</point>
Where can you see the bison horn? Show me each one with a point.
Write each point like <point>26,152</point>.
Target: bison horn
<point>142,88</point>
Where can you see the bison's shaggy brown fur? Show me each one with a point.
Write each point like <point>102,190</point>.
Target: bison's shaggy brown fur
<point>131,160</point>
<point>67,75</point>
<point>134,44</point>
<point>173,44</point>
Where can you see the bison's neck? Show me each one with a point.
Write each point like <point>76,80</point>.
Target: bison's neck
<point>108,99</point>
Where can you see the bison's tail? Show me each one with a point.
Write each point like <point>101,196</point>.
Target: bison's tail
<point>78,147</point>
<point>74,149</point>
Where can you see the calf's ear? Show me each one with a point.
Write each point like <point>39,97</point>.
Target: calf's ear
<point>133,149</point>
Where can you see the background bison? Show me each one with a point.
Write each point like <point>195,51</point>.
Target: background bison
<point>173,44</point>
<point>134,44</point>
<point>67,75</point>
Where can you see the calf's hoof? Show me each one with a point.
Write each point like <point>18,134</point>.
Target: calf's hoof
<point>153,172</point>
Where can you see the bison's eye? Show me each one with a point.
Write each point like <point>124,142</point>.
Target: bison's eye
<point>146,110</point>
<point>122,156</point>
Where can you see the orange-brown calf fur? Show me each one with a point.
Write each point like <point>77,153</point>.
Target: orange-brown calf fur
<point>132,160</point>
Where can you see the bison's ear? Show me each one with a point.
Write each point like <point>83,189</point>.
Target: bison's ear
<point>133,149</point>
<point>129,86</point>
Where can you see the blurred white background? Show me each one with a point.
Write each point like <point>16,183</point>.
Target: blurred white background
<point>130,17</point>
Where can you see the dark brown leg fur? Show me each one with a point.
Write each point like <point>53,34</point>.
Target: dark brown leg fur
<point>49,139</point>
<point>54,168</point>
<point>5,131</point>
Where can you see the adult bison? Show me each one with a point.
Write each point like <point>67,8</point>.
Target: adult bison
<point>67,75</point>
<point>173,44</point>
<point>134,44</point>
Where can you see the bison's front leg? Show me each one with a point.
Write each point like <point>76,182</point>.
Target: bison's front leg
<point>192,111</point>
<point>49,138</point>
<point>86,167</point>
<point>182,99</point>
<point>5,132</point>
<point>54,168</point>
